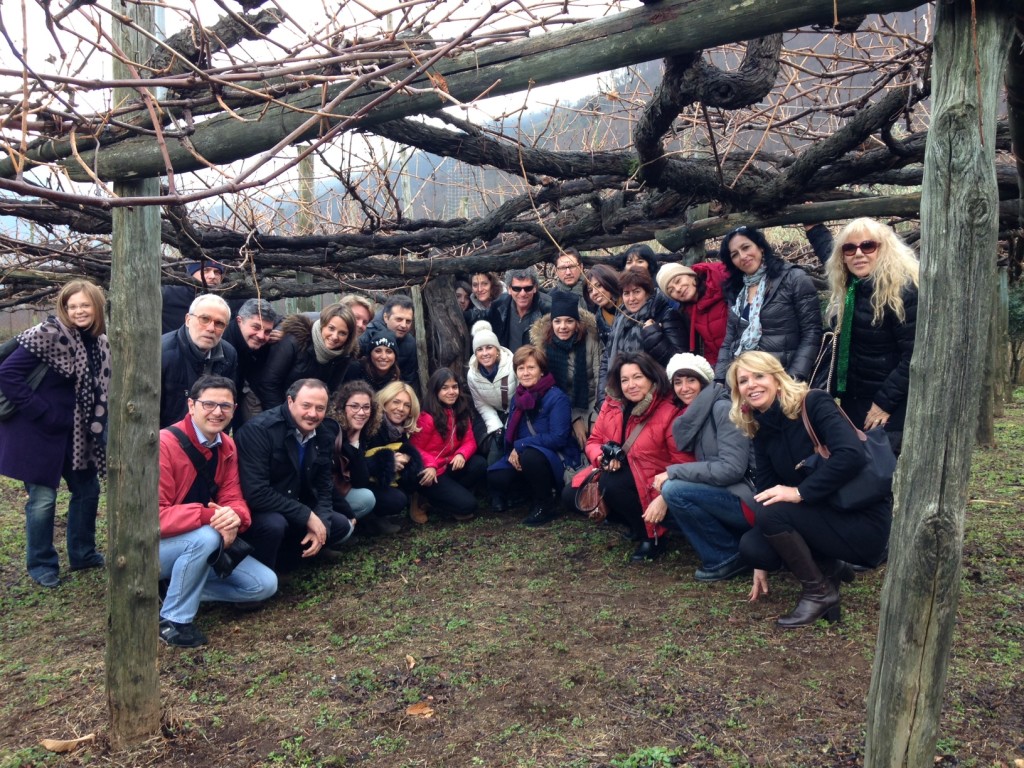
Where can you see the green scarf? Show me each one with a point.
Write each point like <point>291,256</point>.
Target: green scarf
<point>843,363</point>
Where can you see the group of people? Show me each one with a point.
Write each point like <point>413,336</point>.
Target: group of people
<point>677,393</point>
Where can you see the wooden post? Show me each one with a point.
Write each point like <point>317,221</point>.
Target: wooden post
<point>133,683</point>
<point>448,335</point>
<point>420,324</point>
<point>959,224</point>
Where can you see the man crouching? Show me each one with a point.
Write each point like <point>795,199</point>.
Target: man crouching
<point>201,514</point>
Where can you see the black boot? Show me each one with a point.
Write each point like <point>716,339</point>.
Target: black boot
<point>376,525</point>
<point>837,571</point>
<point>542,512</point>
<point>649,549</point>
<point>820,597</point>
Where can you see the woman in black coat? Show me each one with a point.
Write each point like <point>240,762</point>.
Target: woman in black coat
<point>796,524</point>
<point>774,306</point>
<point>873,278</point>
<point>323,349</point>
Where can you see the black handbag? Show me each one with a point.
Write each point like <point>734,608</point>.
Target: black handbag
<point>874,481</point>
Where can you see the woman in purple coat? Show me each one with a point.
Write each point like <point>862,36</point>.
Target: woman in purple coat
<point>59,428</point>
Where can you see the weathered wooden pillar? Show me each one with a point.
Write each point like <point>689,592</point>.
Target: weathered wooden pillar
<point>959,221</point>
<point>133,682</point>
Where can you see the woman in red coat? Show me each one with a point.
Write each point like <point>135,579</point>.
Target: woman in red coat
<point>698,289</point>
<point>444,438</point>
<point>639,408</point>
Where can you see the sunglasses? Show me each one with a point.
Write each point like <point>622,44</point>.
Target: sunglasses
<point>521,288</point>
<point>867,248</point>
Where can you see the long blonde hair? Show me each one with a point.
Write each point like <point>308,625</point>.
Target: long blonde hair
<point>896,267</point>
<point>791,392</point>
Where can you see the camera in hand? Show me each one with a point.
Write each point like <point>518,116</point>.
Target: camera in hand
<point>612,451</point>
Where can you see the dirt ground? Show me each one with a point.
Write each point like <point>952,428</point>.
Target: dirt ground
<point>525,648</point>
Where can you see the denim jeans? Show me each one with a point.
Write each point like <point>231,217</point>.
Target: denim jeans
<point>40,554</point>
<point>361,501</point>
<point>185,560</point>
<point>710,517</point>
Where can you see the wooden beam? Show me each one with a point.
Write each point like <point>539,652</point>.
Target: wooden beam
<point>667,28</point>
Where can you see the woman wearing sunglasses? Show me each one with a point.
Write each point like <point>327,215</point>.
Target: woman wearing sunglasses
<point>873,279</point>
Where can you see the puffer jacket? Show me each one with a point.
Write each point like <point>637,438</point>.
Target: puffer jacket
<point>539,332</point>
<point>709,315</point>
<point>723,453</point>
<point>650,454</point>
<point>492,398</point>
<point>791,324</point>
<point>879,368</point>
<point>438,451</point>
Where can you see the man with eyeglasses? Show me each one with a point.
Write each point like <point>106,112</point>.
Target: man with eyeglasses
<point>569,274</point>
<point>512,313</point>
<point>201,514</point>
<point>195,349</point>
<point>285,465</point>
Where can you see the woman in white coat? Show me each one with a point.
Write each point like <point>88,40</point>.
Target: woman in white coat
<point>492,383</point>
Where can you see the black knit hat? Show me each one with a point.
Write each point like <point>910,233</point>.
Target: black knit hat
<point>383,338</point>
<point>565,304</point>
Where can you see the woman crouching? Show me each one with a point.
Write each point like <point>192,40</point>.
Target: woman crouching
<point>796,525</point>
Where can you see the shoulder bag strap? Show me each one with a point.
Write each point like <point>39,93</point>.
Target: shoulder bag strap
<point>504,393</point>
<point>196,457</point>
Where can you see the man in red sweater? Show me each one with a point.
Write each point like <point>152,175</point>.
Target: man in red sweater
<point>201,513</point>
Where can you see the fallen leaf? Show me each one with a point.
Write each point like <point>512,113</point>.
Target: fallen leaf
<point>58,745</point>
<point>410,662</point>
<point>422,709</point>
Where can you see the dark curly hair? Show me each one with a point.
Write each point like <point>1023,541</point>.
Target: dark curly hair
<point>773,264</point>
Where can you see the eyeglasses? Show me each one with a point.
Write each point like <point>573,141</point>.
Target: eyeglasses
<point>521,288</point>
<point>220,325</point>
<point>867,248</point>
<point>567,267</point>
<point>358,408</point>
<point>209,406</point>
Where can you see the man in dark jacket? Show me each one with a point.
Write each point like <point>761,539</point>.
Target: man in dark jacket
<point>397,317</point>
<point>513,313</point>
<point>285,465</point>
<point>176,299</point>
<point>196,349</point>
<point>248,333</point>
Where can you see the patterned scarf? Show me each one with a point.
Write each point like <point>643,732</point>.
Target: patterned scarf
<point>558,361</point>
<point>843,362</point>
<point>527,399</point>
<point>77,356</point>
<point>752,333</point>
<point>323,354</point>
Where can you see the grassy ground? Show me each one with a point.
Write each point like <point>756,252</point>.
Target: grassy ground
<point>530,648</point>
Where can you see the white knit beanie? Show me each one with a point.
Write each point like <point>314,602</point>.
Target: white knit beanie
<point>483,336</point>
<point>691,365</point>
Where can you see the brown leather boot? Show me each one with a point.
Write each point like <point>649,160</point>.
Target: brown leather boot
<point>820,597</point>
<point>417,510</point>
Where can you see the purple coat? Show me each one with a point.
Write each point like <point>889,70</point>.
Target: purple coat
<point>36,439</point>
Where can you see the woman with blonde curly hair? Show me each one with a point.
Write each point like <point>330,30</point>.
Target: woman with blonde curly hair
<point>795,523</point>
<point>393,463</point>
<point>873,278</point>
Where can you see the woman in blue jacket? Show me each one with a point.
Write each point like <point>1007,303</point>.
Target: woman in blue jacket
<point>60,427</point>
<point>538,438</point>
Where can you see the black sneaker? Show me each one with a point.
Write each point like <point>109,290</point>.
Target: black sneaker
<point>541,514</point>
<point>181,635</point>
<point>729,570</point>
<point>49,580</point>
